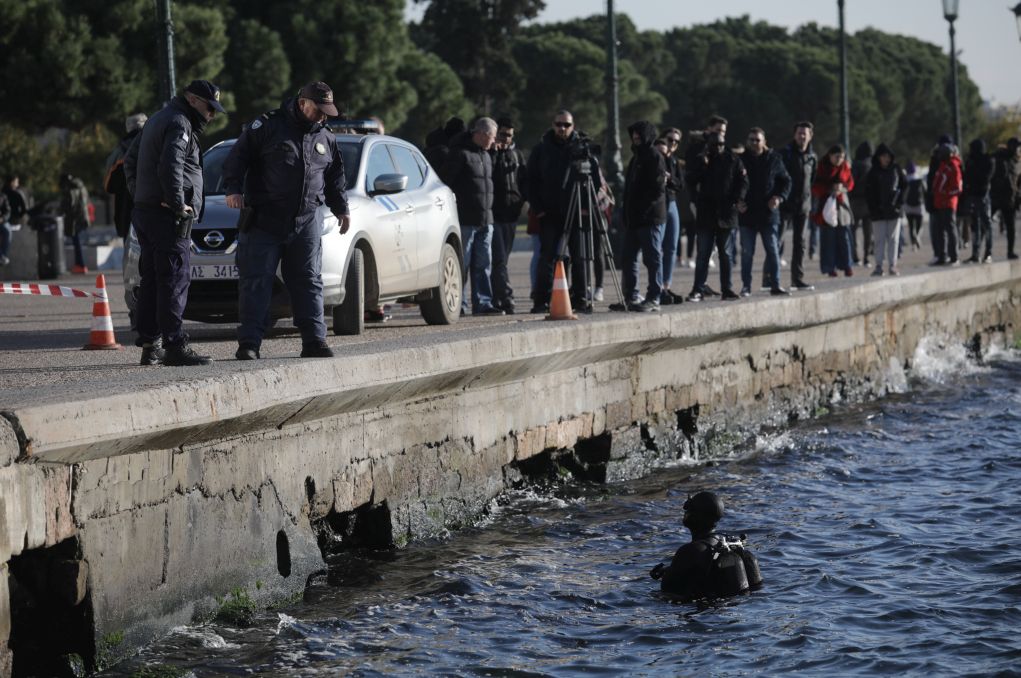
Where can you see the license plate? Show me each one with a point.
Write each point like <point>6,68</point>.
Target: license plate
<point>214,272</point>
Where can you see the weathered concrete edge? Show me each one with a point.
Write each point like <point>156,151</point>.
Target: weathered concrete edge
<point>199,411</point>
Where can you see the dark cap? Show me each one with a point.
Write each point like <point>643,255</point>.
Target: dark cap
<point>322,95</point>
<point>206,91</point>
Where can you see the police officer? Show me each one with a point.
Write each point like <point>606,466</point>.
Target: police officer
<point>292,165</point>
<point>164,176</point>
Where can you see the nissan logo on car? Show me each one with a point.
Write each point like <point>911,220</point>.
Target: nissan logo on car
<point>214,239</point>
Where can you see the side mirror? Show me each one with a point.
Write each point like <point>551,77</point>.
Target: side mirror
<point>389,183</point>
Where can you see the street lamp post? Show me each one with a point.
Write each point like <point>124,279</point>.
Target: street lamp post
<point>614,163</point>
<point>165,40</point>
<point>950,14</point>
<point>1016,9</point>
<point>845,117</point>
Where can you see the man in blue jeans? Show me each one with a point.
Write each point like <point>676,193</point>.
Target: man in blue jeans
<point>468,171</point>
<point>644,217</point>
<point>768,186</point>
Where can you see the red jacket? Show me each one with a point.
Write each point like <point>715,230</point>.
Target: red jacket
<point>947,184</point>
<point>825,177</point>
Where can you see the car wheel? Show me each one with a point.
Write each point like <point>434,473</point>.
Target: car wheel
<point>444,306</point>
<point>349,317</point>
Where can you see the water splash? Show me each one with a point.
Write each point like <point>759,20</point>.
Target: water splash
<point>940,359</point>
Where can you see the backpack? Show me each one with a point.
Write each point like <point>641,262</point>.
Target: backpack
<point>732,569</point>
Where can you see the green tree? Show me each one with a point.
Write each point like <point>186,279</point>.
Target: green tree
<point>438,94</point>
<point>475,38</point>
<point>257,71</point>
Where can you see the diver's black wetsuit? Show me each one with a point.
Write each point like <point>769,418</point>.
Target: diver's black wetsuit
<point>687,576</point>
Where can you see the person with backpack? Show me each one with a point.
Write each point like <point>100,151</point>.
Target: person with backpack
<point>710,565</point>
<point>914,202</point>
<point>884,195</point>
<point>74,203</point>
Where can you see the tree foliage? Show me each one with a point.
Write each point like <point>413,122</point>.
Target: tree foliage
<point>76,64</point>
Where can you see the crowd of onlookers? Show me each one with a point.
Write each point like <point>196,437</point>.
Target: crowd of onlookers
<point>698,207</point>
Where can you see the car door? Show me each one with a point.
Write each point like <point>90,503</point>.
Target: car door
<point>393,230</point>
<point>429,227</point>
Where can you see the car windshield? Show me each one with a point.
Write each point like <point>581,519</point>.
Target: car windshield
<point>212,165</point>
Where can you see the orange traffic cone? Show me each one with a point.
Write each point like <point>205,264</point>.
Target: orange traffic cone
<point>560,302</point>
<point>101,337</point>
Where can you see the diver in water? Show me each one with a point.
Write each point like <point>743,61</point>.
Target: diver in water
<point>710,565</point>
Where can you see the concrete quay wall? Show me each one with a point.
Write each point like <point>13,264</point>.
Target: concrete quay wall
<point>123,516</point>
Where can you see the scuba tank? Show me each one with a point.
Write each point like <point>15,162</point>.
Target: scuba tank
<point>734,569</point>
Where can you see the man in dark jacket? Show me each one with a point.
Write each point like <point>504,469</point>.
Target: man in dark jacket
<point>12,217</point>
<point>510,177</point>
<point>437,142</point>
<point>885,190</point>
<point>768,186</point>
<point>801,162</point>
<point>164,176</point>
<point>977,208</point>
<point>115,183</point>
<point>718,180</point>
<point>468,171</point>
<point>644,217</point>
<point>288,163</point>
<point>550,183</point>
<point>1006,189</point>
<point>859,206</point>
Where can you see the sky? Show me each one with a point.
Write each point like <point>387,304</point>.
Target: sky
<point>987,36</point>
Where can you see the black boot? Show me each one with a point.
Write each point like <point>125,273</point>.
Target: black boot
<point>183,355</point>
<point>152,354</point>
<point>316,350</point>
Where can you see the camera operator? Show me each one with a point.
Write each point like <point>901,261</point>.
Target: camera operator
<point>550,183</point>
<point>644,217</point>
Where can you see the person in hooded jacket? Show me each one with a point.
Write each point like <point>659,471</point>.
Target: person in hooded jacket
<point>914,201</point>
<point>74,204</point>
<point>284,166</point>
<point>859,204</point>
<point>1006,189</point>
<point>719,183</point>
<point>437,142</point>
<point>468,171</point>
<point>644,217</point>
<point>163,171</point>
<point>768,186</point>
<point>834,178</point>
<point>977,207</point>
<point>114,182</point>
<point>885,187</point>
<point>947,183</point>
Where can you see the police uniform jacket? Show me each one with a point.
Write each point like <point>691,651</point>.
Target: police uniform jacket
<point>468,171</point>
<point>286,168</point>
<point>162,166</point>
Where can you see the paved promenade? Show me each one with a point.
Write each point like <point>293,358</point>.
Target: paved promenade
<point>41,337</point>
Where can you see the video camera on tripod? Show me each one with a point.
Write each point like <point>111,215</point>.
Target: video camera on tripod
<point>585,217</point>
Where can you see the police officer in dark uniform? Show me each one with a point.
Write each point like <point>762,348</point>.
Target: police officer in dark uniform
<point>288,163</point>
<point>164,176</point>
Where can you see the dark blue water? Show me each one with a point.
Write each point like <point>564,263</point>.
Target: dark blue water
<point>889,536</point>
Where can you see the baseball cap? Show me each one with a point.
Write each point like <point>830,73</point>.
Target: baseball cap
<point>207,91</point>
<point>322,95</point>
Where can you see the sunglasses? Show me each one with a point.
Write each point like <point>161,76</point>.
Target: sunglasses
<point>564,125</point>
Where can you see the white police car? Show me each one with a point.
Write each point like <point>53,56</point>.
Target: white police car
<point>404,244</point>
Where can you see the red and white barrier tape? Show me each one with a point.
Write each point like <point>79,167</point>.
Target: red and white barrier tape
<point>43,290</point>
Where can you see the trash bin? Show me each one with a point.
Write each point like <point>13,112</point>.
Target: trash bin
<point>49,230</point>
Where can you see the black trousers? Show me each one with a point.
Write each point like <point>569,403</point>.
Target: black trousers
<point>551,233</point>
<point>164,264</point>
<point>798,224</point>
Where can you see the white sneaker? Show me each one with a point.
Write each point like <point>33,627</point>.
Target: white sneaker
<point>598,294</point>
<point>783,263</point>
<point>691,263</point>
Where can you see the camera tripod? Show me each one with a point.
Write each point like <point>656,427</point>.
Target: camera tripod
<point>583,214</point>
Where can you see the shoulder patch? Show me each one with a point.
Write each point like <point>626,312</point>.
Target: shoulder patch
<point>320,148</point>
<point>257,124</point>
